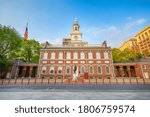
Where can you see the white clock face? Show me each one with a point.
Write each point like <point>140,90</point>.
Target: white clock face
<point>75,37</point>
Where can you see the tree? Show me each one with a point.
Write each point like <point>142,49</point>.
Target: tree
<point>127,55</point>
<point>139,55</point>
<point>10,42</point>
<point>116,53</point>
<point>30,51</point>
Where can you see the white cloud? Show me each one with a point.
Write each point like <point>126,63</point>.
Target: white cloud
<point>114,35</point>
<point>56,41</point>
<point>140,21</point>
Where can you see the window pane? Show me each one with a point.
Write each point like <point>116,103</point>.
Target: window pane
<point>59,69</point>
<point>97,55</point>
<point>68,55</point>
<point>82,69</point>
<point>51,69</point>
<point>75,56</point>
<point>99,69</point>
<point>53,55</point>
<point>68,70</point>
<point>60,56</point>
<point>90,56</point>
<point>45,55</point>
<point>91,69</point>
<point>105,55</point>
<point>43,69</point>
<point>107,69</point>
<point>82,55</point>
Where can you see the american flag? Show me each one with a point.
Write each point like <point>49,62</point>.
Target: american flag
<point>26,33</point>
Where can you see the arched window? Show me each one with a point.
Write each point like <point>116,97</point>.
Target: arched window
<point>43,69</point>
<point>91,70</point>
<point>99,69</point>
<point>82,69</point>
<point>67,70</point>
<point>107,69</point>
<point>76,28</point>
<point>51,69</point>
<point>59,69</point>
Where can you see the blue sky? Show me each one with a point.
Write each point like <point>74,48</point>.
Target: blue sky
<point>51,20</point>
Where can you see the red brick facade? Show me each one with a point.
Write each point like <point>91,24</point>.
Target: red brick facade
<point>96,66</point>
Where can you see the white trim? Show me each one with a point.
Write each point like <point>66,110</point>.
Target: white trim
<point>50,69</point>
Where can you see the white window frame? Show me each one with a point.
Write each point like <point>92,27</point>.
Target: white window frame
<point>43,69</point>
<point>53,55</point>
<point>82,55</point>
<point>68,55</point>
<point>60,56</point>
<point>98,55</point>
<point>60,69</point>
<point>106,55</point>
<point>45,55</point>
<point>52,68</point>
<point>75,55</point>
<point>90,55</point>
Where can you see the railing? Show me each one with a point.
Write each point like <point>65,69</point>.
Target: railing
<point>94,81</point>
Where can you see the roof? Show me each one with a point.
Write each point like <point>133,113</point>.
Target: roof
<point>142,30</point>
<point>131,39</point>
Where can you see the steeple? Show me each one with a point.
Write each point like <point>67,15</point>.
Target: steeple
<point>75,34</point>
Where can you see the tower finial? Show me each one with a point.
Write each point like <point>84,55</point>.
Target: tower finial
<point>75,20</point>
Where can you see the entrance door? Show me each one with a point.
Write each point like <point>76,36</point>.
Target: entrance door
<point>146,75</point>
<point>75,72</point>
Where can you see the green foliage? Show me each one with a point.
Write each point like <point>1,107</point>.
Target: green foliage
<point>116,53</point>
<point>139,55</point>
<point>10,42</point>
<point>127,55</point>
<point>30,51</point>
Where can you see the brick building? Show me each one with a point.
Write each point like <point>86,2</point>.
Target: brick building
<point>75,59</point>
<point>137,69</point>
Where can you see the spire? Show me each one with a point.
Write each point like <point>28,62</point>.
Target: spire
<point>26,33</point>
<point>75,21</point>
<point>75,33</point>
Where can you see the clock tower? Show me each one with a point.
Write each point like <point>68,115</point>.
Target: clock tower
<point>76,35</point>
